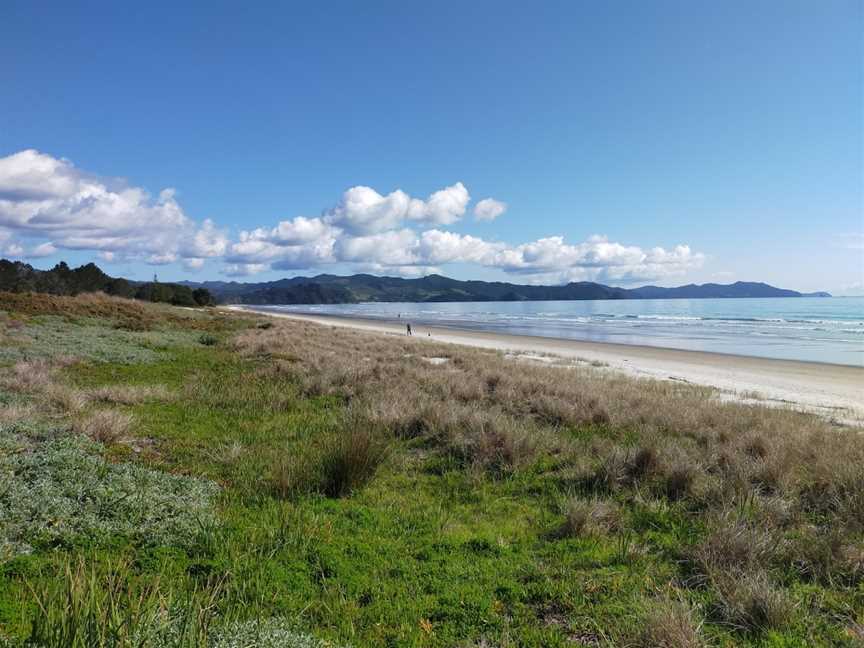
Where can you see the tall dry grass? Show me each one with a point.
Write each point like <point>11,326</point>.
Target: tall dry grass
<point>679,440</point>
<point>671,623</point>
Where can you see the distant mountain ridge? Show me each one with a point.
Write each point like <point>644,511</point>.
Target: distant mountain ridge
<point>333,289</point>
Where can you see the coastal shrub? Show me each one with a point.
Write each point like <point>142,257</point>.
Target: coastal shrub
<point>123,313</point>
<point>93,339</point>
<point>61,489</point>
<point>266,633</point>
<point>207,340</point>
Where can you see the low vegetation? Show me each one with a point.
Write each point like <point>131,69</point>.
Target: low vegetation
<point>289,484</point>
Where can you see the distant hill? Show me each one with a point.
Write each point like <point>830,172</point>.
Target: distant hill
<point>20,277</point>
<point>332,289</point>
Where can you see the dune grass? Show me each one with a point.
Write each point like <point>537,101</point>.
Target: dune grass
<point>325,485</point>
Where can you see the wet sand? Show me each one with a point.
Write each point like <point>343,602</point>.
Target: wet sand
<point>835,391</point>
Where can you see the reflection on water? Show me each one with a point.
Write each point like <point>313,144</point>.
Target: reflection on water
<point>813,329</point>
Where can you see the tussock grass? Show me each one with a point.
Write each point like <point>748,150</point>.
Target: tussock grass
<point>334,466</point>
<point>671,623</point>
<point>734,542</point>
<point>30,375</point>
<point>106,426</point>
<point>749,601</point>
<point>589,517</point>
<point>128,394</point>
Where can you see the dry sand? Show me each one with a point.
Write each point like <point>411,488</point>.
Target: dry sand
<point>834,391</point>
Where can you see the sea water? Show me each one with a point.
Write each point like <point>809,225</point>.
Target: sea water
<point>828,329</point>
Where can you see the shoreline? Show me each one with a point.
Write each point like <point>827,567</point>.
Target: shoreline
<point>830,390</point>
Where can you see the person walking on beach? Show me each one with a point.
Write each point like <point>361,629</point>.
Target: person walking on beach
<point>408,328</point>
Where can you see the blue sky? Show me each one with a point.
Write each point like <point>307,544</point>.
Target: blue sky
<point>654,142</point>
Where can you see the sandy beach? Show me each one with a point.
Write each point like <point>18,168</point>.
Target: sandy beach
<point>834,391</point>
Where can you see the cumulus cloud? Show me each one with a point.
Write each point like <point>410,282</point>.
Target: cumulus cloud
<point>394,248</point>
<point>44,196</point>
<point>58,207</point>
<point>362,210</point>
<point>596,258</point>
<point>291,245</point>
<point>489,209</point>
<point>445,206</point>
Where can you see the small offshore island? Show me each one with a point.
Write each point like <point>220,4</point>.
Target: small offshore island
<point>234,478</point>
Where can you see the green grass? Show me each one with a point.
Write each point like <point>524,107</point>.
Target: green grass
<point>421,549</point>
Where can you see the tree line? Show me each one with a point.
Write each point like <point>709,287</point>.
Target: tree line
<point>16,276</point>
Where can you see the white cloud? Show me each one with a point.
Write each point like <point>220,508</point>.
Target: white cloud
<point>207,242</point>
<point>300,231</point>
<point>608,260</point>
<point>162,259</point>
<point>63,208</point>
<point>13,250</point>
<point>43,250</point>
<point>243,269</point>
<point>445,206</point>
<point>292,245</point>
<point>436,246</point>
<point>489,209</point>
<point>362,210</point>
<point>193,264</point>
<point>394,248</point>
<point>43,196</point>
<point>408,271</point>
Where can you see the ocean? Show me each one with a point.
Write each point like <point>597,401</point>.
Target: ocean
<point>827,329</point>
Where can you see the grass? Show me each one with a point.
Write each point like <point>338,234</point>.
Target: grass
<point>293,484</point>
